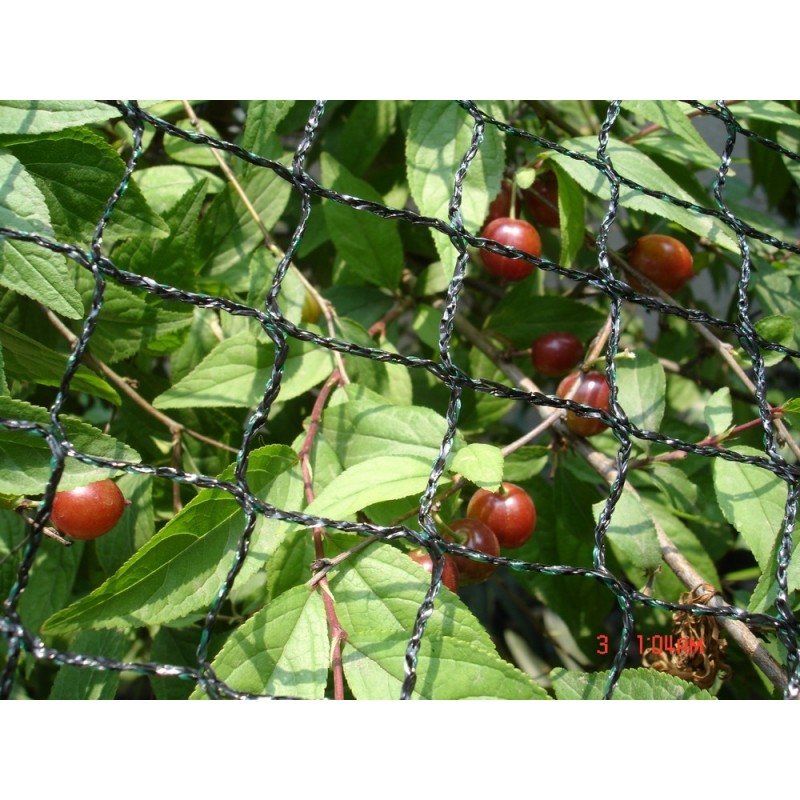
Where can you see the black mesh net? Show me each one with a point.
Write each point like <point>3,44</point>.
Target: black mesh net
<point>765,631</point>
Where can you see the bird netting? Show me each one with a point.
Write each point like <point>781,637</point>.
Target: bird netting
<point>306,301</point>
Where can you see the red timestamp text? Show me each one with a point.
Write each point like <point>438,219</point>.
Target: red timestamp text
<point>657,644</point>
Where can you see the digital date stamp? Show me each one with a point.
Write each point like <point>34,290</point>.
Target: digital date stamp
<point>658,644</point>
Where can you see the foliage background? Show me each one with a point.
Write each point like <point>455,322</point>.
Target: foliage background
<point>142,593</point>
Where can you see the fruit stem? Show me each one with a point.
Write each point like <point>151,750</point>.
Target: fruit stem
<point>46,529</point>
<point>448,533</point>
<point>512,211</point>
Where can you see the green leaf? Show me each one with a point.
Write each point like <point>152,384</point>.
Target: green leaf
<point>84,683</point>
<point>482,464</point>
<point>3,382</point>
<point>790,140</point>
<point>370,245</point>
<point>523,464</point>
<point>792,406</point>
<point>570,215</point>
<point>51,578</point>
<point>426,325</point>
<point>291,550</point>
<point>28,360</point>
<point>22,204</point>
<point>677,488</point>
<point>77,171</point>
<point>173,260</point>
<point>525,177</point>
<point>719,412</point>
<point>432,280</point>
<point>682,153</point>
<point>364,429</point>
<point>135,527</point>
<point>631,163</point>
<point>393,383</point>
<point>633,539</point>
<point>186,152</point>
<point>181,569</point>
<point>130,321</point>
<point>373,481</point>
<point>362,304</point>
<point>753,501</point>
<point>292,296</point>
<point>289,563</point>
<point>228,232</point>
<point>768,111</point>
<point>671,114</point>
<point>523,315</point>
<point>41,275</point>
<point>25,457</point>
<point>667,586</point>
<point>162,187</point>
<point>44,116</point>
<point>367,129</point>
<point>777,328</point>
<point>263,116</point>
<point>378,592</point>
<point>439,135</point>
<point>642,387</point>
<point>26,268</point>
<point>480,410</point>
<point>178,647</point>
<point>634,684</point>
<point>778,293</point>
<point>236,372</point>
<point>281,650</point>
<point>447,669</point>
<point>767,588</point>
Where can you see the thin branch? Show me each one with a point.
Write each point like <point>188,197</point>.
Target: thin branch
<point>545,110</point>
<point>269,242</point>
<point>713,441</point>
<point>338,633</point>
<point>15,549</point>
<point>598,344</point>
<point>725,351</point>
<point>125,387</point>
<point>648,129</point>
<point>51,533</point>
<point>177,505</point>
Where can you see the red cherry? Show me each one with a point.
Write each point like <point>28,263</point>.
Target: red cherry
<point>542,200</point>
<point>450,576</point>
<point>509,512</point>
<point>592,391</point>
<point>89,511</point>
<point>664,260</point>
<point>512,233</point>
<point>556,353</point>
<point>480,537</point>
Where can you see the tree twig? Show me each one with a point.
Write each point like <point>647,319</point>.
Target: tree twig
<point>125,387</point>
<point>337,632</point>
<point>327,309</point>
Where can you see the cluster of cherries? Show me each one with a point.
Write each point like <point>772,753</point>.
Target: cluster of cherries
<point>505,518</point>
<point>663,260</point>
